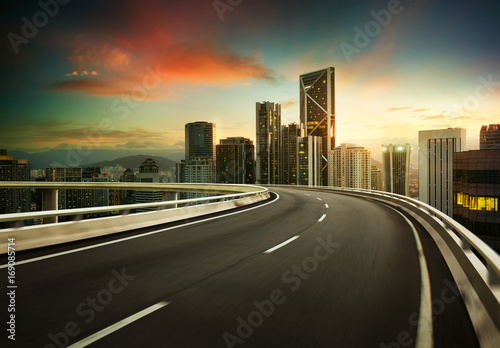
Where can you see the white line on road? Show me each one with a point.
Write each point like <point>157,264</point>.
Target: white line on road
<point>326,206</point>
<point>322,218</point>
<point>280,245</point>
<point>117,326</point>
<point>307,194</point>
<point>136,236</point>
<point>424,331</point>
<point>319,199</point>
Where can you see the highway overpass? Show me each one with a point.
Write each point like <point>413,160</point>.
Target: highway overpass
<point>298,267</point>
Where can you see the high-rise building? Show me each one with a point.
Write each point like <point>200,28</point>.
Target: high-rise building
<point>435,166</point>
<point>489,137</point>
<point>200,141</point>
<point>377,183</point>
<point>68,198</point>
<point>288,160</point>
<point>268,140</point>
<point>396,160</point>
<point>199,164</point>
<point>235,162</point>
<point>476,191</point>
<point>148,172</point>
<point>127,196</point>
<point>317,110</point>
<point>14,200</point>
<point>350,167</point>
<point>100,198</point>
<point>309,151</point>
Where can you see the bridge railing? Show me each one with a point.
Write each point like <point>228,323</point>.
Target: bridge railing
<point>245,191</point>
<point>225,197</point>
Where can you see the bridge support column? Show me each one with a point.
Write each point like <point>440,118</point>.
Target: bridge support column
<point>49,202</point>
<point>169,196</point>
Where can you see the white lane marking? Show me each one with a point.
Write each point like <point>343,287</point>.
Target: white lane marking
<point>319,199</point>
<point>307,194</point>
<point>322,218</point>
<point>424,331</point>
<point>117,326</point>
<point>326,206</point>
<point>18,263</point>
<point>280,245</point>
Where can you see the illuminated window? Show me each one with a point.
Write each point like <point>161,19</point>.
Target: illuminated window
<point>466,200</point>
<point>459,198</point>
<point>473,203</point>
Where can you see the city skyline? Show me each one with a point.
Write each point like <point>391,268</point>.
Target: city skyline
<point>413,74</point>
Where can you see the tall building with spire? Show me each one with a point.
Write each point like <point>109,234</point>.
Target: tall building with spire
<point>317,110</point>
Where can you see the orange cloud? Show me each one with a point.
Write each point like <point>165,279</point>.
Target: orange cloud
<point>182,48</point>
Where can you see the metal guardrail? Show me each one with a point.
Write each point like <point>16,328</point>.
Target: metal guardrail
<point>469,239</point>
<point>244,191</point>
<point>477,280</point>
<point>491,258</point>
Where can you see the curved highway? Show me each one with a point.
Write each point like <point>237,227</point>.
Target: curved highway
<point>306,269</point>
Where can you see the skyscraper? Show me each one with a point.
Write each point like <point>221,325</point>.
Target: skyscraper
<point>148,172</point>
<point>199,164</point>
<point>268,140</point>
<point>397,168</point>
<point>309,151</point>
<point>68,198</point>
<point>350,167</point>
<point>200,141</point>
<point>489,137</point>
<point>317,110</point>
<point>476,189</point>
<point>14,200</point>
<point>235,162</point>
<point>289,135</point>
<point>435,166</point>
<point>377,183</point>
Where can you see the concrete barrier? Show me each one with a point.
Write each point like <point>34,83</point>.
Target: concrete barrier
<point>44,235</point>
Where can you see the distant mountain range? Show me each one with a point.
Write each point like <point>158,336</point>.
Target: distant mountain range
<point>376,163</point>
<point>41,160</point>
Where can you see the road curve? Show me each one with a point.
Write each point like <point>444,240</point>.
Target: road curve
<point>309,269</point>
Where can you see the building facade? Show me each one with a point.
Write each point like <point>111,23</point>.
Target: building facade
<point>317,110</point>
<point>309,150</point>
<point>14,200</point>
<point>148,172</point>
<point>435,166</point>
<point>68,198</point>
<point>199,163</point>
<point>377,180</point>
<point>489,137</point>
<point>268,141</point>
<point>350,166</point>
<point>288,161</point>
<point>396,160</point>
<point>476,193</point>
<point>235,161</point>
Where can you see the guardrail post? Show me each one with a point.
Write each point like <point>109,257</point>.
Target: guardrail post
<point>49,202</point>
<point>169,196</point>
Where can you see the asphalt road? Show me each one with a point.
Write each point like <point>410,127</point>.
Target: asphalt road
<point>309,269</point>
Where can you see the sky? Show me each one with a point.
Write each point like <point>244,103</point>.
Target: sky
<point>128,75</point>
